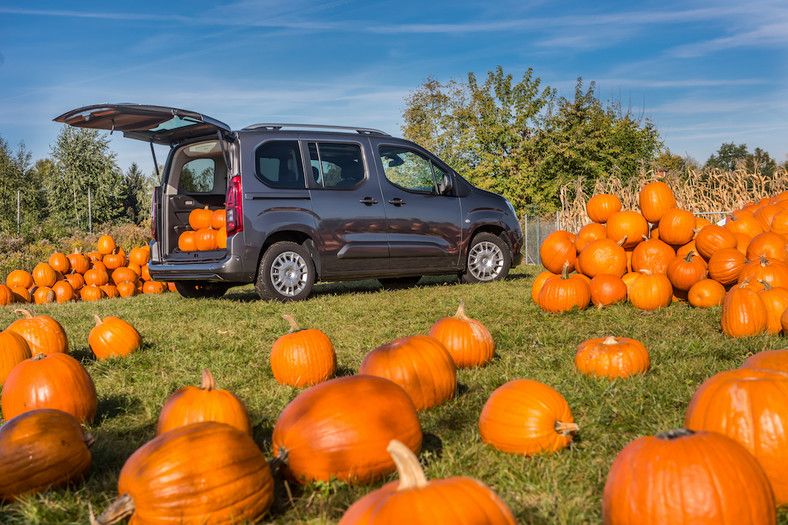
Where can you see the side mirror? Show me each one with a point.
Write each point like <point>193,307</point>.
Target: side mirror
<point>447,184</point>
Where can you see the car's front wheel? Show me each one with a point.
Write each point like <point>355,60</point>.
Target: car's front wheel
<point>489,259</point>
<point>286,273</point>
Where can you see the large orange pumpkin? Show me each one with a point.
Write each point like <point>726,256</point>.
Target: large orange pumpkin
<point>712,238</point>
<point>725,265</point>
<point>590,232</point>
<point>41,449</point>
<point>96,277</point>
<point>768,360</point>
<point>59,262</point>
<point>629,226</point>
<point>776,302</point>
<point>526,417</point>
<point>607,289</point>
<point>200,218</point>
<point>44,295</point>
<point>191,404</point>
<point>743,313</point>
<point>43,334</point>
<point>302,357</point>
<point>44,275</point>
<point>457,500</point>
<point>13,350</point>
<point>653,255</point>
<point>603,256</point>
<point>601,206</point>
<point>469,341</point>
<point>686,478</point>
<point>79,262</point>
<point>763,269</point>
<point>747,404</point>
<point>341,428</point>
<point>768,244</point>
<point>205,239</point>
<point>655,198</point>
<point>113,337</point>
<point>683,272</point>
<point>612,357</point>
<point>206,472</point>
<point>64,292</point>
<point>219,219</point>
<point>49,381</point>
<point>139,256</point>
<point>565,292</point>
<point>19,278</point>
<point>186,241</point>
<point>651,291</point>
<point>420,364</point>
<point>557,249</point>
<point>676,226</point>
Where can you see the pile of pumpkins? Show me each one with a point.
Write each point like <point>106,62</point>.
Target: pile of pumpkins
<point>663,254</point>
<point>208,231</point>
<point>106,272</point>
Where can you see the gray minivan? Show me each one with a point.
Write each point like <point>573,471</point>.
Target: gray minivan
<point>309,202</point>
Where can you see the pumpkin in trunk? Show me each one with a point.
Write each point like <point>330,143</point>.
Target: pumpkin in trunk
<point>612,357</point>
<point>526,417</point>
<point>41,449</point>
<point>341,428</point>
<point>205,472</point>
<point>200,218</point>
<point>43,334</point>
<point>682,477</point>
<point>113,337</point>
<point>191,404</point>
<point>302,357</point>
<point>469,341</point>
<point>456,500</point>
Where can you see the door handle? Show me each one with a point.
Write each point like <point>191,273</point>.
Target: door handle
<point>369,201</point>
<point>397,202</point>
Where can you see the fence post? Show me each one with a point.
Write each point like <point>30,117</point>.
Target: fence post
<point>538,233</point>
<point>557,222</point>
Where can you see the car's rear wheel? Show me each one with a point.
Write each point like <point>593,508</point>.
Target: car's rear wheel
<point>200,289</point>
<point>489,259</point>
<point>286,273</point>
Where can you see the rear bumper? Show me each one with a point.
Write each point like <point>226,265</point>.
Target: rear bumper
<point>230,269</point>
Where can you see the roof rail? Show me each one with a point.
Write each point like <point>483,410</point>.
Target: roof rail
<point>278,126</point>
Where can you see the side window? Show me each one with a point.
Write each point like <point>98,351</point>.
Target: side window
<point>408,169</point>
<point>336,165</point>
<point>278,164</point>
<point>198,176</point>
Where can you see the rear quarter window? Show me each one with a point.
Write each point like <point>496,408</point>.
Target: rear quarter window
<point>278,164</point>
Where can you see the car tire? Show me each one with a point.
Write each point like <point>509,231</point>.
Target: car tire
<point>398,283</point>
<point>201,289</point>
<point>489,259</point>
<point>286,273</point>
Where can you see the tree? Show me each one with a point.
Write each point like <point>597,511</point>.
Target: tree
<point>84,162</point>
<point>760,161</point>
<point>728,157</point>
<point>17,178</point>
<point>138,190</point>
<point>667,161</point>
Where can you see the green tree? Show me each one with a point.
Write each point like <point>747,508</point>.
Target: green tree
<point>728,157</point>
<point>760,161</point>
<point>667,161</point>
<point>138,191</point>
<point>83,161</point>
<point>18,180</point>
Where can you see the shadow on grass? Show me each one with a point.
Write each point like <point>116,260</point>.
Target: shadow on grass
<point>114,406</point>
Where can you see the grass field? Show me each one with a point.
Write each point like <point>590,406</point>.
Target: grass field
<point>233,336</point>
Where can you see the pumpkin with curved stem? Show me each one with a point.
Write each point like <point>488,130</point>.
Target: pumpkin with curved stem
<point>683,272</point>
<point>653,255</point>
<point>564,292</point>
<point>763,269</point>
<point>607,289</point>
<point>206,472</point>
<point>589,233</point>
<point>601,206</point>
<point>686,478</point>
<point>44,275</point>
<point>628,225</point>
<point>603,256</point>
<point>341,428</point>
<point>113,337</point>
<point>742,404</point>
<point>19,278</point>
<point>43,334</point>
<point>768,360</point>
<point>79,262</point>
<point>526,417</point>
<point>769,245</point>
<point>191,404</point>
<point>457,500</point>
<point>743,313</point>
<point>654,199</point>
<point>612,357</point>
<point>41,449</point>
<point>557,249</point>
<point>725,265</point>
<point>13,350</point>
<point>420,364</point>
<point>676,226</point>
<point>49,381</point>
<point>302,357</point>
<point>706,293</point>
<point>651,291</point>
<point>469,341</point>
<point>712,238</point>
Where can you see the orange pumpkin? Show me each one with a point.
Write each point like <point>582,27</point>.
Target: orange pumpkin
<point>686,478</point>
<point>49,381</point>
<point>773,272</point>
<point>628,225</point>
<point>341,428</point>
<point>420,364</point>
<point>607,289</point>
<point>526,417</point>
<point>139,256</point>
<point>706,293</point>
<point>186,242</point>
<point>191,404</point>
<point>768,360</point>
<point>114,260</point>
<point>127,288</point>
<point>106,245</point>
<point>743,405</point>
<point>44,275</point>
<point>42,448</point>
<point>19,278</point>
<point>653,255</point>
<point>558,248</point>
<point>205,239</point>
<point>13,350</point>
<point>91,293</point>
<point>651,291</point>
<point>725,265</point>
<point>765,214</point>
<point>59,262</point>
<point>221,239</point>
<point>6,295</point>
<point>743,313</point>
<point>686,271</point>
<point>768,244</point>
<point>603,256</point>
<point>564,292</point>
<point>601,206</point>
<point>469,341</point>
<point>113,337</point>
<point>676,226</point>
<point>44,295</point>
<point>206,472</point>
<point>79,262</point>
<point>655,198</point>
<point>96,277</point>
<point>43,334</point>
<point>712,238</point>
<point>200,218</point>
<point>536,286</point>
<point>776,302</point>
<point>588,233</point>
<point>460,500</point>
<point>64,292</point>
<point>302,357</point>
<point>154,286</point>
<point>612,357</point>
<point>22,295</point>
<point>219,219</point>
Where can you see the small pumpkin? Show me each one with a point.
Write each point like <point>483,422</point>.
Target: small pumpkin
<point>651,291</point>
<point>712,238</point>
<point>526,417</point>
<point>96,277</point>
<point>106,245</point>
<point>44,275</point>
<point>22,295</point>
<point>43,334</point>
<point>205,239</point>
<point>469,341</point>
<point>91,293</point>
<point>558,249</point>
<point>44,295</point>
<point>607,289</point>
<point>219,219</point>
<point>64,292</point>
<point>536,286</point>
<point>114,261</point>
<point>676,226</point>
<point>186,242</point>
<point>191,404</point>
<point>154,286</point>
<point>79,262</point>
<point>601,206</point>
<point>19,278</point>
<point>564,292</point>
<point>59,262</point>
<point>612,357</point>
<point>460,500</point>
<point>139,256</point>
<point>655,198</point>
<point>127,288</point>
<point>776,302</point>
<point>113,337</point>
<point>588,233</point>
<point>630,225</point>
<point>302,357</point>
<point>41,449</point>
<point>683,272</point>
<point>706,293</point>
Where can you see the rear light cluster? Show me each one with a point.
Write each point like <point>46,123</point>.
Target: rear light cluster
<point>234,207</point>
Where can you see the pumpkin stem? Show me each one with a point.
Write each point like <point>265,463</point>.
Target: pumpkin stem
<point>207,380</point>
<point>565,271</point>
<point>610,340</point>
<point>293,325</point>
<point>98,319</point>
<point>120,509</point>
<point>25,312</point>
<point>766,285</point>
<point>690,256</point>
<point>566,428</point>
<point>411,475</point>
<point>675,433</point>
<point>279,460</point>
<point>38,356</point>
<point>461,311</point>
<point>622,240</point>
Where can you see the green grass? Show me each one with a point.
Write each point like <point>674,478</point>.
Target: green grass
<point>233,337</point>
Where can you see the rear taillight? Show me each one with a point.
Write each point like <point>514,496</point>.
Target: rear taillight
<point>234,207</point>
<point>154,213</point>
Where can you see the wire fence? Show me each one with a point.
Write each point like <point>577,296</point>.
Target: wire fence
<point>536,228</point>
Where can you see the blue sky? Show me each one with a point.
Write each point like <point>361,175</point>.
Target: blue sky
<point>705,72</point>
